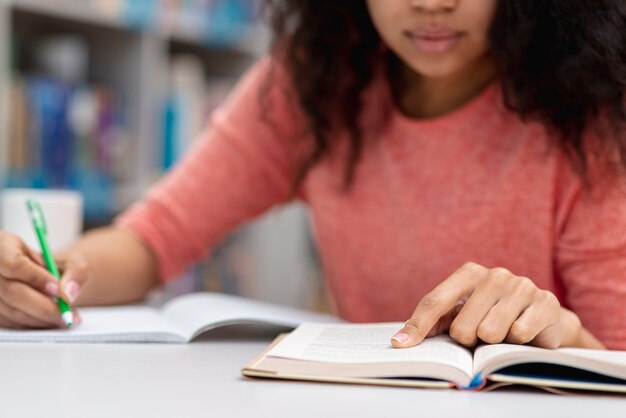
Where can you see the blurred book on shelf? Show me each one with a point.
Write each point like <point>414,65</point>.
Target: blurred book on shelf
<point>190,100</point>
<point>66,132</point>
<point>208,21</point>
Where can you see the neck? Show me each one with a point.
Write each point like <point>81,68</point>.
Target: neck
<point>421,97</point>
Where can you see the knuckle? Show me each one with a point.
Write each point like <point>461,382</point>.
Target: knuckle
<point>500,272</point>
<point>472,267</point>
<point>525,285</point>
<point>12,262</point>
<point>497,278</point>
<point>520,333</point>
<point>526,282</point>
<point>430,301</point>
<point>415,327</point>
<point>459,332</point>
<point>549,298</point>
<point>490,334</point>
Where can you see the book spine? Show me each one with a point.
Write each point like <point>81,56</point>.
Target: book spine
<point>476,384</point>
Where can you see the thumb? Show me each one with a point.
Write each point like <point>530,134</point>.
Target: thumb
<point>75,276</point>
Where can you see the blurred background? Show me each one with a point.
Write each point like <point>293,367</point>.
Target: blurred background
<point>104,96</point>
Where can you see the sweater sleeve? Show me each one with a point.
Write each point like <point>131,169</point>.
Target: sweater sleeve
<point>241,166</point>
<point>591,254</point>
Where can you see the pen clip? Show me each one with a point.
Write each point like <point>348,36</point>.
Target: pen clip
<point>36,214</point>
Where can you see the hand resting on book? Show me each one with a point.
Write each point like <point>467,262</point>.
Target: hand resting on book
<point>493,305</point>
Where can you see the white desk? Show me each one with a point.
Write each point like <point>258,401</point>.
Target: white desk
<point>202,379</point>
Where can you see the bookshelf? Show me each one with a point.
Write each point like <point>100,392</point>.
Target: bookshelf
<point>127,55</point>
<point>135,57</point>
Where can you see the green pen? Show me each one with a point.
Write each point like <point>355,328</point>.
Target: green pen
<point>39,223</point>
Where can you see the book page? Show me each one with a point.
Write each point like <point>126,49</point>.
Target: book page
<point>489,358</point>
<point>109,324</point>
<point>618,358</point>
<point>367,343</point>
<point>196,313</point>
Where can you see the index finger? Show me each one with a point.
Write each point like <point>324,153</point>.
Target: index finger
<point>441,300</point>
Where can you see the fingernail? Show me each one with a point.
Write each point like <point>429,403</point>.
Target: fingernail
<point>401,337</point>
<point>52,289</point>
<point>71,290</point>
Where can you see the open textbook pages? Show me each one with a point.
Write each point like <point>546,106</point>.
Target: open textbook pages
<point>565,368</point>
<point>362,353</point>
<point>178,321</point>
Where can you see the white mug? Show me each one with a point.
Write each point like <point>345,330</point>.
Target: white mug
<point>63,212</point>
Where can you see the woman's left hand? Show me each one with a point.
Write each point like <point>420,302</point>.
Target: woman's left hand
<point>490,305</point>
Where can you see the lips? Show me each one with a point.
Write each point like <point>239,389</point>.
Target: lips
<point>434,41</point>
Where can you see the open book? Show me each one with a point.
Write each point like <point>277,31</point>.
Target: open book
<point>179,321</point>
<point>362,353</point>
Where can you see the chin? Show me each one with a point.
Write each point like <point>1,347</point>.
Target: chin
<point>439,67</point>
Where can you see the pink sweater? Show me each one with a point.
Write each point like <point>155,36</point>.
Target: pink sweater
<point>476,185</point>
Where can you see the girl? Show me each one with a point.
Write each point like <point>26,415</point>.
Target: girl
<point>461,156</point>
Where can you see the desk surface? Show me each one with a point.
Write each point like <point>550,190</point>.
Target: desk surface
<point>203,379</point>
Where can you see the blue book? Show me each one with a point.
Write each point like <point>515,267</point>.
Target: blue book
<point>171,121</point>
<point>50,137</point>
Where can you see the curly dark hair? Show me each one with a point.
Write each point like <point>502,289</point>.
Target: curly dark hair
<point>561,62</point>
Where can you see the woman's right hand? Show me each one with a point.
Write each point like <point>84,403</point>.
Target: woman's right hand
<point>28,292</point>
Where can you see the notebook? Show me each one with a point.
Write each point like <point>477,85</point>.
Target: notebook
<point>179,321</point>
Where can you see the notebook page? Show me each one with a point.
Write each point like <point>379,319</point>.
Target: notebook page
<point>367,343</point>
<point>196,313</point>
<point>110,324</point>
